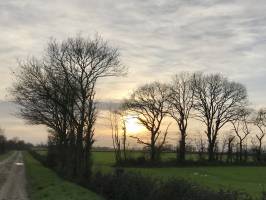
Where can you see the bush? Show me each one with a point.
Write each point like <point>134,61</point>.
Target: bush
<point>182,190</point>
<point>121,185</point>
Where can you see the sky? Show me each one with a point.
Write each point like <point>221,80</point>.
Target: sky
<point>156,39</point>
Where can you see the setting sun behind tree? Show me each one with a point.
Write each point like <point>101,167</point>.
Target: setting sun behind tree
<point>132,125</point>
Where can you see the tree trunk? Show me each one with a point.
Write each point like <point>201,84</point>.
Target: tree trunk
<point>259,151</point>
<point>229,151</point>
<point>124,141</point>
<point>80,150</point>
<point>153,153</point>
<point>88,160</point>
<point>153,148</point>
<point>240,151</point>
<point>211,151</point>
<point>71,158</point>
<point>182,148</point>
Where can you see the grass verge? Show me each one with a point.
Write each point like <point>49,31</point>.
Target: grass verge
<point>5,155</point>
<point>44,184</point>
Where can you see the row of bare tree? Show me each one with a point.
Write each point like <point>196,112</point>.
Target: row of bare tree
<point>210,98</point>
<point>58,90</point>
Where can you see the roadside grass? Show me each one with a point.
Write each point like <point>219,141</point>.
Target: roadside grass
<point>5,155</point>
<point>44,184</point>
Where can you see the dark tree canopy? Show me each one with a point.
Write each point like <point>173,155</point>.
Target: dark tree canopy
<point>58,90</point>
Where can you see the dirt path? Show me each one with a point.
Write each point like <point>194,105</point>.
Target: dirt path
<point>12,178</point>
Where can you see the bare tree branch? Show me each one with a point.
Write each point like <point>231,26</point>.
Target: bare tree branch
<point>149,104</point>
<point>216,101</point>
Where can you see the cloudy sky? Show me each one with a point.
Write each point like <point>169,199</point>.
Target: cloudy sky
<point>156,39</point>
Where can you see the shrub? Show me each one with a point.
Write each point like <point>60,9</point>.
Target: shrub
<point>175,189</point>
<point>121,185</point>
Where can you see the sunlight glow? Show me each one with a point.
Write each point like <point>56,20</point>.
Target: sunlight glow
<point>132,125</point>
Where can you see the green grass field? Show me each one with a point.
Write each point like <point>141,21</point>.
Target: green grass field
<point>249,179</point>
<point>108,158</point>
<point>44,184</point>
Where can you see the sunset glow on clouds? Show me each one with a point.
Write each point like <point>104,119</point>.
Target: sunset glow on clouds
<point>156,39</point>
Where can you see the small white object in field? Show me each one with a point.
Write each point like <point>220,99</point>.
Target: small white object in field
<point>196,173</point>
<point>19,163</point>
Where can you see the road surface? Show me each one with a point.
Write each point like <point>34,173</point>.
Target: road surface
<point>12,178</point>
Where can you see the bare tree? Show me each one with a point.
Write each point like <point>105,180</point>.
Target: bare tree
<point>260,123</point>
<point>45,98</point>
<point>114,122</point>
<point>200,146</point>
<point>230,143</point>
<point>149,104</point>
<point>223,146</point>
<point>180,99</point>
<point>83,63</point>
<point>216,101</point>
<point>124,133</point>
<point>118,124</point>
<point>58,91</point>
<point>241,128</point>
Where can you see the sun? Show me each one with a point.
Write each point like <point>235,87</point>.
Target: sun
<point>132,124</point>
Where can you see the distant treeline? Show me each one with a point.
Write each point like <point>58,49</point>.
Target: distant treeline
<point>13,144</point>
<point>213,100</point>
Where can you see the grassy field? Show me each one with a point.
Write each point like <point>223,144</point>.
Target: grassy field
<point>44,184</point>
<point>108,159</point>
<point>248,179</point>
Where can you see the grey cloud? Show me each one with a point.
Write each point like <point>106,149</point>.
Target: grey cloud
<point>156,38</point>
